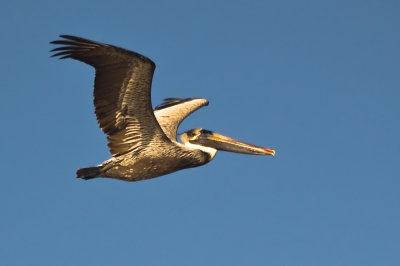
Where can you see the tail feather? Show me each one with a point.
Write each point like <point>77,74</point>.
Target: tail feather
<point>88,173</point>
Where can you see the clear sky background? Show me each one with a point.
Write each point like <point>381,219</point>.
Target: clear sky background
<point>316,80</point>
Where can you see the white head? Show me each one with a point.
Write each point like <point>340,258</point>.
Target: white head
<point>193,134</point>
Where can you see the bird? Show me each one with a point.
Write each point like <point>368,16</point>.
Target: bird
<point>142,141</point>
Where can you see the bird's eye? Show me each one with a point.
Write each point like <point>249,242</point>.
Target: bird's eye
<point>205,132</point>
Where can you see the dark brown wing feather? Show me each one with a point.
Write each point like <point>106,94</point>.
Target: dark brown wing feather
<point>122,92</point>
<point>173,111</point>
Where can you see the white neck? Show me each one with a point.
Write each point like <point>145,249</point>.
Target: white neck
<point>208,150</point>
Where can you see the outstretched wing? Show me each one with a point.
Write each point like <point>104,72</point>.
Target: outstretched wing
<point>173,111</point>
<point>122,92</point>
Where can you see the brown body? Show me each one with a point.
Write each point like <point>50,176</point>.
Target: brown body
<point>149,165</point>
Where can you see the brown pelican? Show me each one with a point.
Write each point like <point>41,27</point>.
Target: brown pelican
<point>142,141</point>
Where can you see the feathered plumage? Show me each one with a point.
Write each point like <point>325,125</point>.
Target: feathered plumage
<point>142,141</point>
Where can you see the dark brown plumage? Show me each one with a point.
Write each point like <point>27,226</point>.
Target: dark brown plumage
<point>121,91</point>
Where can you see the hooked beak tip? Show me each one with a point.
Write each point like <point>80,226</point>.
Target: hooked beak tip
<point>270,152</point>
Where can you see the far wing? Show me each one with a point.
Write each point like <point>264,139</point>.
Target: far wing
<point>173,111</point>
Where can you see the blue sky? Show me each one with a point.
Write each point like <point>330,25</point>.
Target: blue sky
<point>316,80</point>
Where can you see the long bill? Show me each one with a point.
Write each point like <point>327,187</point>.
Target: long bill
<point>223,143</point>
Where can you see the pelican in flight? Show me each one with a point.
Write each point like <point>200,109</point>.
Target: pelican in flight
<point>142,141</point>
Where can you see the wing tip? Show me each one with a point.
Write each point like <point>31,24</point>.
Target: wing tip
<point>76,44</point>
